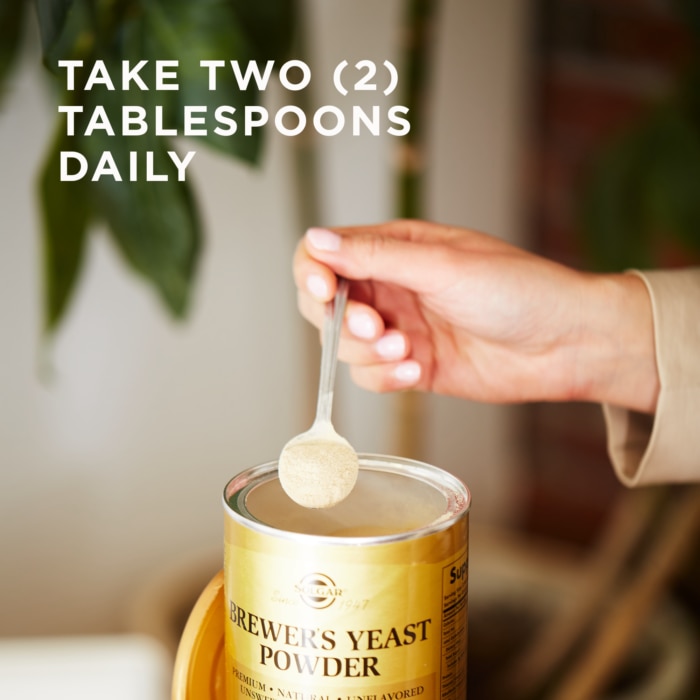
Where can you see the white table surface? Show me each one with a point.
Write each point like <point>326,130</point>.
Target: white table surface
<point>115,667</point>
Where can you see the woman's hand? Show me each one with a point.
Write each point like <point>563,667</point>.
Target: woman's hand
<point>458,312</point>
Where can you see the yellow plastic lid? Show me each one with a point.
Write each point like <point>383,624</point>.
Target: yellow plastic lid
<point>199,663</point>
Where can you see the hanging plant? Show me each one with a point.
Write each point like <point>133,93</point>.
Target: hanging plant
<point>153,221</point>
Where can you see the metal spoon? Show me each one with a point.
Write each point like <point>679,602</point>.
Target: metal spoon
<point>318,468</point>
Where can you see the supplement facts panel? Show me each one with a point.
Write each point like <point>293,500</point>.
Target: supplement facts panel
<point>453,681</point>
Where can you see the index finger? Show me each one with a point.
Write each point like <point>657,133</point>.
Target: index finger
<point>313,276</point>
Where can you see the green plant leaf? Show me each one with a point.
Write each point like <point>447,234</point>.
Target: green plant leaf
<point>52,16</point>
<point>156,227</point>
<point>673,182</point>
<point>689,12</point>
<point>68,30</point>
<point>155,224</point>
<point>644,188</point>
<point>612,207</point>
<point>269,25</point>
<point>191,32</point>
<point>66,217</point>
<point>12,16</point>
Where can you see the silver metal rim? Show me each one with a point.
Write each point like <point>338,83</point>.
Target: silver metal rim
<point>457,497</point>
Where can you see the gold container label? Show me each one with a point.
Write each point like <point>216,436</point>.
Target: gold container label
<point>315,620</point>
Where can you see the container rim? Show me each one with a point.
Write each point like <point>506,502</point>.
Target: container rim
<point>457,497</point>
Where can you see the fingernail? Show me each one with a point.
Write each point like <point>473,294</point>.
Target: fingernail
<point>317,287</point>
<point>407,372</point>
<point>362,325</point>
<point>391,346</point>
<point>323,239</point>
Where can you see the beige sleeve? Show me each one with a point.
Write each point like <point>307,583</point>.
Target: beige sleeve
<point>665,447</point>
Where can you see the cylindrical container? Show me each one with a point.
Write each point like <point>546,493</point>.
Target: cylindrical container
<point>363,601</point>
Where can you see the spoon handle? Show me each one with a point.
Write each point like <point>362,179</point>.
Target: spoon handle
<point>332,325</point>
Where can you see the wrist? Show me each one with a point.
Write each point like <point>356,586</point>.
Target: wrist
<point>617,351</point>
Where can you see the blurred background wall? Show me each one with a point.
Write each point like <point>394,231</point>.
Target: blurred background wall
<point>117,439</point>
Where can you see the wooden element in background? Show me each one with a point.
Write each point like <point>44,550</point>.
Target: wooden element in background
<point>418,43</point>
<point>618,628</point>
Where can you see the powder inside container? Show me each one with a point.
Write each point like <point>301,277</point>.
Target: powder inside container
<point>380,504</point>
